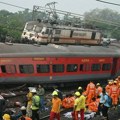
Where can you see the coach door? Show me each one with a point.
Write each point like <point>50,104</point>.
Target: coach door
<point>114,67</point>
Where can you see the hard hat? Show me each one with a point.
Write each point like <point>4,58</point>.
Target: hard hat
<point>115,82</point>
<point>33,90</point>
<point>6,117</point>
<point>98,84</point>
<point>110,82</point>
<point>77,93</point>
<point>23,108</point>
<point>17,104</point>
<point>55,93</point>
<point>80,88</point>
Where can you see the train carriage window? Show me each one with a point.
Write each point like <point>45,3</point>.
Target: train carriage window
<point>57,31</point>
<point>106,67</point>
<point>84,67</point>
<point>8,68</point>
<point>72,67</point>
<point>95,67</point>
<point>58,68</point>
<point>26,69</point>
<point>43,68</point>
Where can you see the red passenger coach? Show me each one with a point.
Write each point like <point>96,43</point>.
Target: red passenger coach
<point>25,63</point>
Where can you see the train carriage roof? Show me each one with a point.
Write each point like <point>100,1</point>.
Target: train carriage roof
<point>29,50</point>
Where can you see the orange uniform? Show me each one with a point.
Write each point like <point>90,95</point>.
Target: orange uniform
<point>114,94</point>
<point>93,106</point>
<point>55,112</point>
<point>99,90</point>
<point>107,88</point>
<point>90,91</point>
<point>56,103</point>
<point>68,102</point>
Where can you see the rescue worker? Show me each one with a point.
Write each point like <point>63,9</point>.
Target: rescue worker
<point>105,106</point>
<point>29,103</point>
<point>82,100</point>
<point>35,105</point>
<point>114,94</point>
<point>41,93</point>
<point>60,95</point>
<point>90,91</point>
<point>6,117</point>
<point>56,105</point>
<point>98,89</point>
<point>76,108</point>
<point>107,88</point>
<point>68,101</point>
<point>93,106</point>
<point>24,117</point>
<point>101,102</point>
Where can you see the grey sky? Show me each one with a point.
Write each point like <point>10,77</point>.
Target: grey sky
<point>76,6</point>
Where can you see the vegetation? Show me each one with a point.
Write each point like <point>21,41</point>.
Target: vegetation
<point>108,21</point>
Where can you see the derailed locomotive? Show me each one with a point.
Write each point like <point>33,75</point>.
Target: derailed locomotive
<point>45,33</point>
<point>26,63</point>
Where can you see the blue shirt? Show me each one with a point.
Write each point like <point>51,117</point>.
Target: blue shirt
<point>105,101</point>
<point>101,98</point>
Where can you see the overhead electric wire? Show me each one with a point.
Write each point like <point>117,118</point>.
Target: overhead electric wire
<point>108,2</point>
<point>15,5</point>
<point>65,13</point>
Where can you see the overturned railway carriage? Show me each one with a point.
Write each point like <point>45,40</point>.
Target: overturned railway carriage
<point>25,63</point>
<point>44,33</point>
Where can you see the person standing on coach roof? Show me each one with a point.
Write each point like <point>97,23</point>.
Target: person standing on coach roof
<point>35,105</point>
<point>41,93</point>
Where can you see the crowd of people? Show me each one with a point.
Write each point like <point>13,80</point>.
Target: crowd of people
<point>94,98</point>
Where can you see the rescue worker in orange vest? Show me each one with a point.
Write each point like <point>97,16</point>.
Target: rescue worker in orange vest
<point>93,106</point>
<point>68,101</point>
<point>90,91</point>
<point>98,89</point>
<point>114,94</point>
<point>76,108</point>
<point>107,88</point>
<point>56,105</point>
<point>119,93</point>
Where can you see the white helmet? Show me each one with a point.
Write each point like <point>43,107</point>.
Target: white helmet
<point>33,90</point>
<point>23,108</point>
